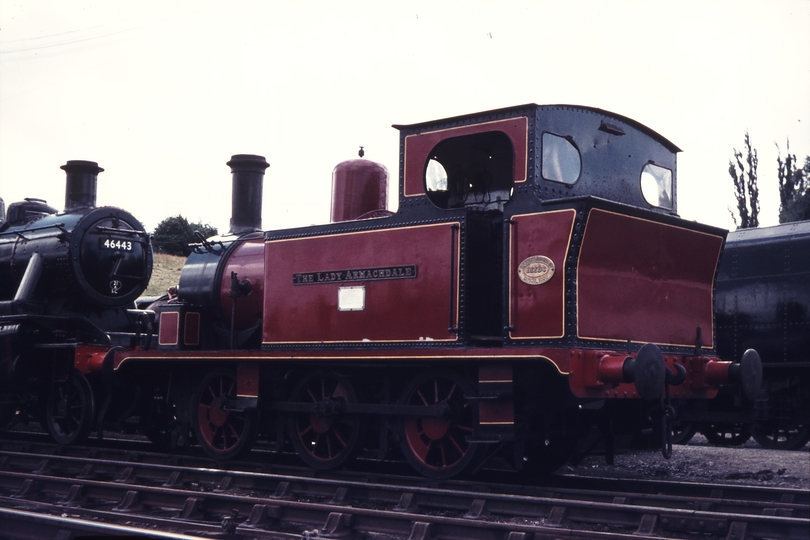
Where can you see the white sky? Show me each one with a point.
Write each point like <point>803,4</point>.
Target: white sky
<point>162,93</point>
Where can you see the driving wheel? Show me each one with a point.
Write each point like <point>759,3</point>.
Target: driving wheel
<point>223,433</point>
<point>326,437</point>
<point>70,409</point>
<point>437,446</point>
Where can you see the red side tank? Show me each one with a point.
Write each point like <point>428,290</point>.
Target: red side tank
<point>359,190</point>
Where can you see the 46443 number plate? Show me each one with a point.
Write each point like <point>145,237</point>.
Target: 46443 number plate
<point>118,245</point>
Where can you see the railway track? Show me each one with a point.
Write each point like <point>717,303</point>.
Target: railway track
<point>48,491</point>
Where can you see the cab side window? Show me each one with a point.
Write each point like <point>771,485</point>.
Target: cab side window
<point>561,159</point>
<point>471,171</point>
<point>656,185</point>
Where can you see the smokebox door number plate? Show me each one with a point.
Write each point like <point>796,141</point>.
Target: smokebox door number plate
<point>536,270</point>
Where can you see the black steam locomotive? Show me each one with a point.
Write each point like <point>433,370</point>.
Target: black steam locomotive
<point>763,302</point>
<point>68,284</point>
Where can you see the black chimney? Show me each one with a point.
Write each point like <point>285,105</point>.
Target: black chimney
<point>82,177</point>
<point>246,194</point>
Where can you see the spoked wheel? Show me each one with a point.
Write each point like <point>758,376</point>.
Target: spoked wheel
<point>731,434</point>
<point>70,410</point>
<point>781,437</point>
<point>437,447</point>
<point>222,434</point>
<point>682,432</point>
<point>326,438</point>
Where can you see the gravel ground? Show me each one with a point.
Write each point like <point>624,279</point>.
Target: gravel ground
<point>700,462</point>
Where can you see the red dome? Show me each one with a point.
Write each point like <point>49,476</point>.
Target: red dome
<point>359,190</point>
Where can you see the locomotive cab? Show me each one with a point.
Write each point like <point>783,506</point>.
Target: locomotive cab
<point>26,211</point>
<point>522,180</point>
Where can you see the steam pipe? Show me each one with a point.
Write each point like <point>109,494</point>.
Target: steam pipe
<point>30,279</point>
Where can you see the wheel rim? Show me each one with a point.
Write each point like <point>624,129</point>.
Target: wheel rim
<point>69,415</point>
<point>326,439</point>
<point>780,437</point>
<point>438,447</point>
<point>222,434</point>
<point>727,434</point>
<point>682,432</point>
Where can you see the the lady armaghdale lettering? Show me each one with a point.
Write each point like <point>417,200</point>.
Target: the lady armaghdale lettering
<point>359,274</point>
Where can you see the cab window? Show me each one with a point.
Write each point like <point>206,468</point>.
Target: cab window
<point>656,185</point>
<point>471,171</point>
<point>561,159</point>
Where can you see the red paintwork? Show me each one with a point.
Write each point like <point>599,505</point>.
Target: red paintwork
<point>496,412</point>
<point>716,372</point>
<point>395,310</point>
<point>610,368</point>
<point>558,357</point>
<point>645,281</point>
<point>359,186</point>
<point>582,366</point>
<point>89,358</point>
<point>247,260</point>
<point>191,329</point>
<point>169,333</point>
<point>418,148</point>
<point>591,376</point>
<point>537,311</point>
<point>179,328</point>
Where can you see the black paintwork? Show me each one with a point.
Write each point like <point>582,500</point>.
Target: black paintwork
<point>77,270</point>
<point>763,294</point>
<point>613,149</point>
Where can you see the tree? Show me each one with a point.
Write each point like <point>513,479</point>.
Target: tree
<point>794,187</point>
<point>174,234</point>
<point>745,186</point>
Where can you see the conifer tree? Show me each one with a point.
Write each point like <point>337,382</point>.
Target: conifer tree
<point>745,186</point>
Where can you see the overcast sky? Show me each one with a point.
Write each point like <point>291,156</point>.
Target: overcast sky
<point>162,93</point>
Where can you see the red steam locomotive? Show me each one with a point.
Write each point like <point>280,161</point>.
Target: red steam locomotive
<point>535,276</point>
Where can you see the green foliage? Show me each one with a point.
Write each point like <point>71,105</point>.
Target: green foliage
<point>794,188</point>
<point>174,234</point>
<point>745,186</point>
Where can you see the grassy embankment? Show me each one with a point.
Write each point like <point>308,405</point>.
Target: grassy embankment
<point>165,273</point>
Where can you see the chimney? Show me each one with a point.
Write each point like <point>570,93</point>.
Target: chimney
<point>246,194</point>
<point>82,177</point>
